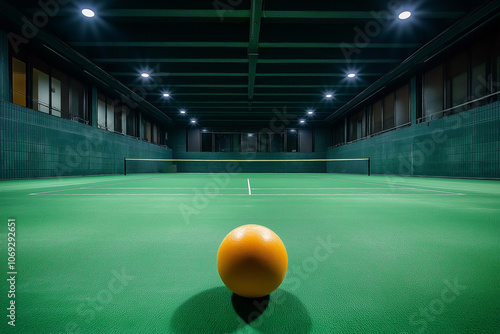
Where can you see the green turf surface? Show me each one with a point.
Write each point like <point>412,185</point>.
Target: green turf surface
<point>137,254</point>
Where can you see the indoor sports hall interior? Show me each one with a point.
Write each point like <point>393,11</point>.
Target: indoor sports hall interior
<point>136,135</point>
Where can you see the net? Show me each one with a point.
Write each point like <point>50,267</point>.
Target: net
<point>347,166</point>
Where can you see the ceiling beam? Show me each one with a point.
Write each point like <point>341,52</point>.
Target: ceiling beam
<point>253,45</point>
<point>268,14</point>
<point>370,15</point>
<point>242,44</point>
<point>244,60</point>
<point>228,74</point>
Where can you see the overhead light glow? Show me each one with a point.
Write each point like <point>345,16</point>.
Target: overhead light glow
<point>405,15</point>
<point>193,121</point>
<point>310,112</point>
<point>88,13</point>
<point>329,96</point>
<point>166,95</point>
<point>145,75</point>
<point>182,111</point>
<point>351,75</point>
<point>302,121</point>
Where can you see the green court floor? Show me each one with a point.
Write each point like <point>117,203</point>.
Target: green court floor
<point>137,254</point>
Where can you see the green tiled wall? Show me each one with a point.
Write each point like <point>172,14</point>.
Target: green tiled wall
<point>461,145</point>
<point>33,144</point>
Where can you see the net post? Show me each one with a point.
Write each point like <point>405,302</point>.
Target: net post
<point>369,167</point>
<point>125,166</point>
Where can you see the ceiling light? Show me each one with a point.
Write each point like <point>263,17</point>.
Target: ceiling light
<point>310,112</point>
<point>329,96</point>
<point>182,111</point>
<point>193,121</point>
<point>302,121</point>
<point>145,75</point>
<point>404,15</point>
<point>351,75</point>
<point>166,95</point>
<point>88,13</point>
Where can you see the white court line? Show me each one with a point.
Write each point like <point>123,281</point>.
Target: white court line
<point>249,188</point>
<point>394,186</point>
<point>390,194</point>
<point>89,187</point>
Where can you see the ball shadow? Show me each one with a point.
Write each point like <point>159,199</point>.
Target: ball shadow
<point>218,310</point>
<point>249,309</point>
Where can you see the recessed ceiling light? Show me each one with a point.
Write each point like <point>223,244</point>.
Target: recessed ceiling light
<point>145,75</point>
<point>329,96</point>
<point>302,121</point>
<point>182,111</point>
<point>351,75</point>
<point>193,121</point>
<point>166,95</point>
<point>405,15</point>
<point>88,12</point>
<point>310,112</point>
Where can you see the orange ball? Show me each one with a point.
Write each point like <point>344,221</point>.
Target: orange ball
<point>252,261</point>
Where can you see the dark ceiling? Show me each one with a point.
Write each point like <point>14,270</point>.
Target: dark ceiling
<point>233,62</point>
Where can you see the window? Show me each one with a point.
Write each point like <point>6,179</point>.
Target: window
<point>480,84</point>
<point>222,142</point>
<point>206,142</point>
<point>132,122</point>
<point>249,142</point>
<point>292,140</point>
<point>276,143</point>
<point>19,82</point>
<point>357,126</point>
<point>339,133</point>
<point>41,87</point>
<point>106,113</point>
<point>389,112</point>
<point>78,107</point>
<point>377,120</point>
<point>264,142</point>
<point>456,81</point>
<point>146,130</point>
<point>402,106</point>
<point>433,93</point>
<point>60,94</point>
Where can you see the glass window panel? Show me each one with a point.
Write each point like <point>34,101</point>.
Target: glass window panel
<point>155,134</point>
<point>292,141</point>
<point>131,123</point>
<point>101,112</point>
<point>249,142</point>
<point>60,94</point>
<point>276,142</point>
<point>222,142</point>
<point>18,82</point>
<point>264,142</point>
<point>480,85</point>
<point>457,81</point>
<point>206,142</point>
<point>433,91</point>
<point>110,115</point>
<point>402,105</point>
<point>77,101</point>
<point>377,122</point>
<point>389,112</point>
<point>118,119</point>
<point>41,91</point>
